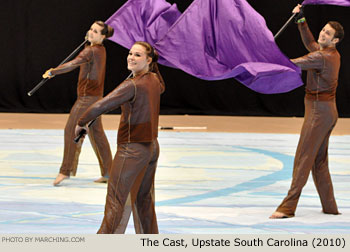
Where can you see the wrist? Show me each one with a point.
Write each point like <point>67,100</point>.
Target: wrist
<point>301,20</point>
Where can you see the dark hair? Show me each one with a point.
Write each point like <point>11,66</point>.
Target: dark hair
<point>106,29</point>
<point>339,30</point>
<point>153,54</point>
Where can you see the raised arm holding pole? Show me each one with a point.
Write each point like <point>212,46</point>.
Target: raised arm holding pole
<point>44,80</point>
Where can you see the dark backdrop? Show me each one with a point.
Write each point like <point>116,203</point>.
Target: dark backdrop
<point>39,34</point>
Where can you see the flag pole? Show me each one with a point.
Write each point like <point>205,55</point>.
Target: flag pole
<point>43,81</point>
<point>287,23</point>
<point>284,26</point>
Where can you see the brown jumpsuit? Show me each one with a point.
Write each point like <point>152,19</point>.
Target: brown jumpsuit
<point>319,120</point>
<point>92,63</point>
<point>134,165</point>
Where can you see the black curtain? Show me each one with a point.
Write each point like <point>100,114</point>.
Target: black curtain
<point>39,34</point>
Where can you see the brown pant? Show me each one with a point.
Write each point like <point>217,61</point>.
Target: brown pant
<point>132,177</point>
<point>96,135</point>
<point>312,155</point>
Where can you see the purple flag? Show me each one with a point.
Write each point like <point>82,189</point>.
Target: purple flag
<point>218,39</point>
<point>142,20</point>
<point>212,40</point>
<point>328,2</point>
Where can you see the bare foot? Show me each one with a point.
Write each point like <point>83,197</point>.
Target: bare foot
<point>278,215</point>
<point>101,180</point>
<point>60,177</point>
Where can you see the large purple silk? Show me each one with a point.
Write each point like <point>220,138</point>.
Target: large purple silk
<point>212,40</point>
<point>328,2</point>
<point>142,20</point>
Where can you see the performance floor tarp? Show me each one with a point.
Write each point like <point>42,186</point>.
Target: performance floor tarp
<point>206,183</point>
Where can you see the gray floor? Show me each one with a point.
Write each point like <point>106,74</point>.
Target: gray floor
<point>206,183</point>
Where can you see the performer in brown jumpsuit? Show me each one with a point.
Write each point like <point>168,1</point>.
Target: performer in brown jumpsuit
<point>92,63</point>
<point>322,64</point>
<point>134,165</point>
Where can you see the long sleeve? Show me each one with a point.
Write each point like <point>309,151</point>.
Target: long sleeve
<point>123,93</point>
<point>313,60</point>
<point>83,57</point>
<point>307,37</point>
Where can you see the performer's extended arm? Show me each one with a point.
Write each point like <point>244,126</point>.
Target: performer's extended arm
<point>123,93</point>
<point>84,56</point>
<point>313,60</point>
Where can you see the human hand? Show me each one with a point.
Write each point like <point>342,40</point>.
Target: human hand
<point>48,74</point>
<point>80,132</point>
<point>297,8</point>
<point>299,16</point>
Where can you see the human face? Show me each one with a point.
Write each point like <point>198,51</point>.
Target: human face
<point>326,37</point>
<point>94,34</point>
<point>137,60</point>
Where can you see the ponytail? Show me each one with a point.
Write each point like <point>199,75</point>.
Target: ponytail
<point>155,69</point>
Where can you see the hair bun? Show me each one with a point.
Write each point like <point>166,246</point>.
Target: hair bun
<point>106,29</point>
<point>110,31</point>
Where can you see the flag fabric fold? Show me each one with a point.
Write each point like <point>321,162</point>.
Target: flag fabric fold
<point>327,2</point>
<point>212,40</point>
<point>142,20</point>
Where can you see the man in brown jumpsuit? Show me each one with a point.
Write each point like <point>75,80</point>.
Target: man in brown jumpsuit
<point>92,63</point>
<point>322,65</point>
<point>134,165</point>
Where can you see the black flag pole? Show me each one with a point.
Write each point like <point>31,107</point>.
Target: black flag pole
<point>83,132</point>
<point>43,81</point>
<point>285,25</point>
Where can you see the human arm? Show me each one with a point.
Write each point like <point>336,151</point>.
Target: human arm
<point>123,93</point>
<point>305,33</point>
<point>307,37</point>
<point>313,60</point>
<point>83,57</point>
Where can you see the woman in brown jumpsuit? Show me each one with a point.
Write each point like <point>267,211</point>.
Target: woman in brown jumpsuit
<point>322,64</point>
<point>92,63</point>
<point>134,165</point>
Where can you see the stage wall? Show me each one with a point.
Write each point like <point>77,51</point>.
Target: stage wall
<point>37,35</point>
